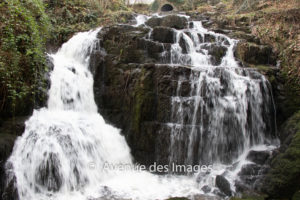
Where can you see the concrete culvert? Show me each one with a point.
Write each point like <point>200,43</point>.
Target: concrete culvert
<point>167,8</point>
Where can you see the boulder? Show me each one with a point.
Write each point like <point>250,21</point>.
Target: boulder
<point>249,169</point>
<point>171,21</point>
<point>183,45</point>
<point>164,35</point>
<point>206,189</point>
<point>258,157</point>
<point>174,21</point>
<point>217,52</point>
<point>223,184</point>
<point>255,54</point>
<point>209,38</point>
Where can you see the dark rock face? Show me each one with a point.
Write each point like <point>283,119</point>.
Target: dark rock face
<point>145,91</point>
<point>171,21</point>
<point>134,96</point>
<point>258,157</point>
<point>9,130</point>
<point>223,184</point>
<point>11,192</point>
<point>133,92</point>
<point>163,34</point>
<point>6,146</point>
<point>217,53</point>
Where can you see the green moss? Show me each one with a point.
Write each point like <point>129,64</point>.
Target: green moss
<point>140,98</point>
<point>23,31</point>
<point>283,180</point>
<point>154,6</point>
<point>143,102</point>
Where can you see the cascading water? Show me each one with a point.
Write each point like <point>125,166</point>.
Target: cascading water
<point>66,146</point>
<point>68,151</point>
<point>225,112</point>
<point>228,112</point>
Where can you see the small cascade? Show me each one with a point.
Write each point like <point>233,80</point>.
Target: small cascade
<point>227,110</point>
<point>221,111</point>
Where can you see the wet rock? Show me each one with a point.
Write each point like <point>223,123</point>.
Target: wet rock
<point>171,21</point>
<point>258,157</point>
<point>209,38</point>
<point>183,45</point>
<point>153,22</point>
<point>250,169</point>
<point>241,187</point>
<point>219,193</point>
<point>10,192</point>
<point>96,58</point>
<point>6,146</point>
<point>223,184</point>
<point>9,130</point>
<point>217,53</point>
<point>122,41</point>
<point>153,48</point>
<point>164,35</point>
<point>135,97</point>
<point>174,21</point>
<point>48,174</point>
<point>206,189</point>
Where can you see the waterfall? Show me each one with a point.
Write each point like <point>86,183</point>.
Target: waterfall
<point>228,110</point>
<point>68,151</point>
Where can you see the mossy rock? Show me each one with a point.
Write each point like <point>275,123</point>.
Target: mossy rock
<point>253,53</point>
<point>283,180</point>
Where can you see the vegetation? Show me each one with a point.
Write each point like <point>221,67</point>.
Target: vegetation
<point>27,27</point>
<point>69,17</point>
<point>23,31</point>
<point>283,179</point>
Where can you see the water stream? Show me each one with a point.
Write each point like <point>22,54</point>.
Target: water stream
<point>68,151</point>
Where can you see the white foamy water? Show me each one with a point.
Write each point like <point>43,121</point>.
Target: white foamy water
<point>65,146</point>
<point>228,112</point>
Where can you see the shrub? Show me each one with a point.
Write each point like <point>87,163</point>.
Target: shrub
<point>23,32</point>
